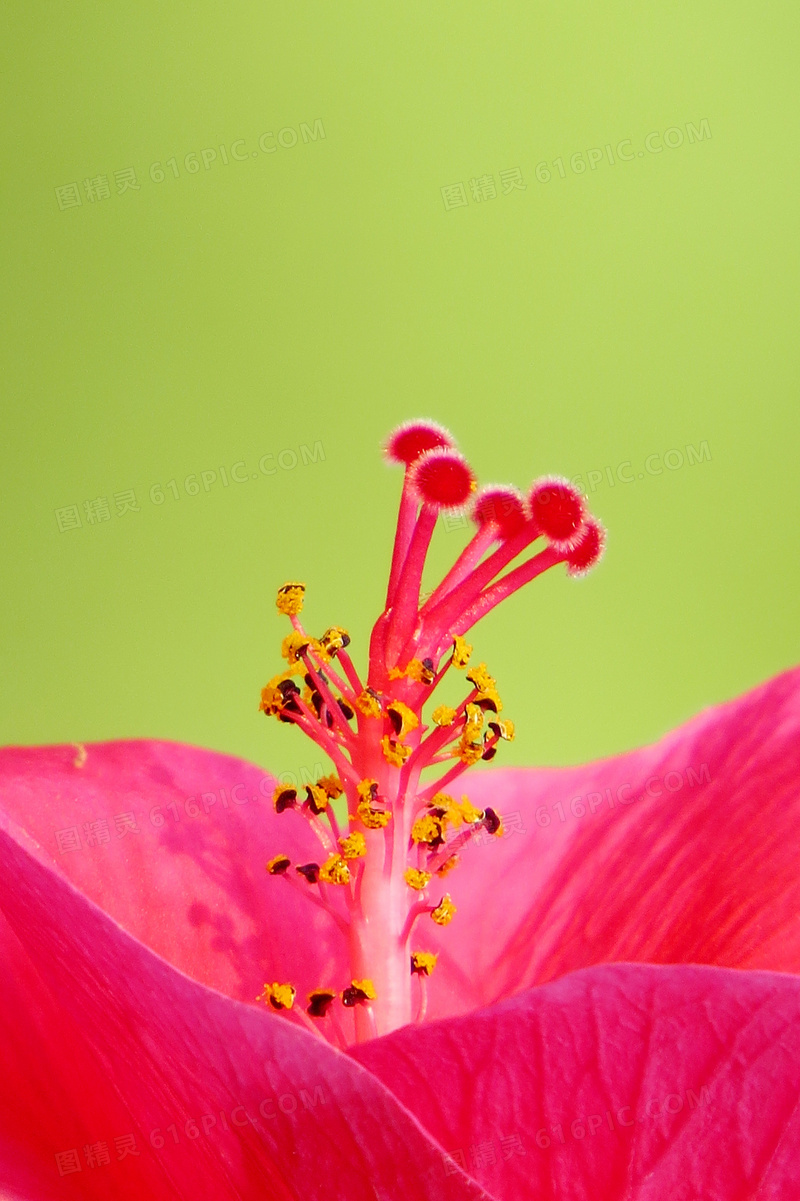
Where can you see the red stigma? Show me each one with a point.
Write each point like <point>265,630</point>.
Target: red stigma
<point>443,478</point>
<point>503,507</point>
<point>414,438</point>
<point>559,511</point>
<point>589,551</point>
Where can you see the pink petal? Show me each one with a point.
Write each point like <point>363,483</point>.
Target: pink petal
<point>190,880</point>
<point>102,1039</point>
<point>615,1083</point>
<point>706,872</point>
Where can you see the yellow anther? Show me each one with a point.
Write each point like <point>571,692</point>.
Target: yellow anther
<point>367,789</point>
<point>402,718</point>
<point>461,652</point>
<point>373,819</point>
<point>394,753</point>
<point>448,865</point>
<point>278,865</point>
<point>421,673</point>
<point>469,813</point>
<point>428,829</point>
<point>274,698</point>
<point>290,598</point>
<point>473,723</point>
<point>479,676</point>
<point>332,785</point>
<point>334,871</point>
<point>468,752</point>
<point>423,962</point>
<point>443,716</point>
<point>293,645</point>
<point>505,729</point>
<point>283,797</point>
<point>446,809</point>
<point>444,912</point>
<point>334,639</point>
<point>317,798</point>
<point>358,991</point>
<point>279,996</point>
<point>354,846</point>
<point>416,879</point>
<point>368,703</point>
<point>487,688</point>
<point>271,700</point>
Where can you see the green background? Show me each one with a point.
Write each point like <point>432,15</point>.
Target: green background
<point>324,292</point>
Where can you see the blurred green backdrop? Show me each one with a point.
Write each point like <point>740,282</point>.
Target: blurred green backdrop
<point>570,234</point>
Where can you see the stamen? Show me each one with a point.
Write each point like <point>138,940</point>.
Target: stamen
<point>354,846</point>
<point>279,996</point>
<point>332,785</point>
<point>278,865</point>
<point>429,830</point>
<point>395,753</point>
<point>335,871</point>
<point>397,834</point>
<point>358,992</point>
<point>416,879</point>
<point>445,911</point>
<point>368,703</point>
<point>319,1002</point>
<point>462,652</point>
<point>310,871</point>
<point>334,640</point>
<point>284,797</point>
<point>492,822</point>
<point>317,798</point>
<point>290,599</point>
<point>402,718</point>
<point>423,962</point>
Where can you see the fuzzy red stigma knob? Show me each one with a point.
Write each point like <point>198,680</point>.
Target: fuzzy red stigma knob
<point>502,507</point>
<point>559,511</point>
<point>413,438</point>
<point>589,551</point>
<point>442,478</point>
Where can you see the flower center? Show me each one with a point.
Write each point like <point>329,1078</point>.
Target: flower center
<point>396,749</point>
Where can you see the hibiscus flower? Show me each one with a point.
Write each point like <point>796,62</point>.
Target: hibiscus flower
<point>561,983</point>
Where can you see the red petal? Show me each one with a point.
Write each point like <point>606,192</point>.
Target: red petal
<point>191,882</point>
<point>101,1039</point>
<point>706,872</point>
<point>640,1082</point>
